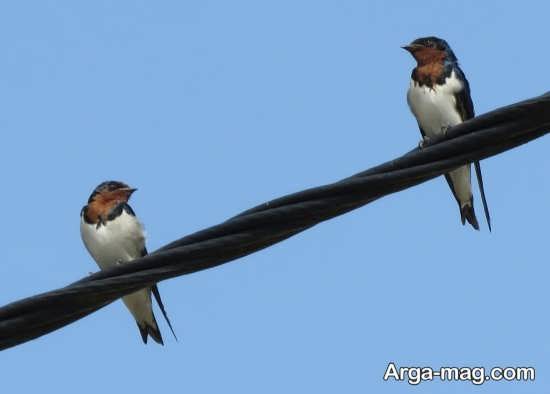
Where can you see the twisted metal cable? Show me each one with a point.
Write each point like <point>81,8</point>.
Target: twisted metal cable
<point>276,220</point>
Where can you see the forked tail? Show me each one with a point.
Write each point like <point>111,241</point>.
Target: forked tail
<point>482,191</point>
<point>467,213</point>
<point>150,329</point>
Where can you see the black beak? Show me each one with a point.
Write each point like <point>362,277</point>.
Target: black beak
<point>130,190</point>
<point>411,47</point>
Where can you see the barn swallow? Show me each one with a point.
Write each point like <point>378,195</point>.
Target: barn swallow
<point>439,97</point>
<point>113,235</point>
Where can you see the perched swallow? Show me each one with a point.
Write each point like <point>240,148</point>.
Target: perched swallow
<point>113,235</point>
<point>439,98</point>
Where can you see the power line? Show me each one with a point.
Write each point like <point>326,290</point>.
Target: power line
<point>276,220</point>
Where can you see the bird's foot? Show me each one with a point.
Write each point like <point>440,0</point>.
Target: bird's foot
<point>424,141</point>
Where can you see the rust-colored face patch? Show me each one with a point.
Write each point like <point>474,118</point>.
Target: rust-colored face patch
<point>427,55</point>
<point>103,203</point>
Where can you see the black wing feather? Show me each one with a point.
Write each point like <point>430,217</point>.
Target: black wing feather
<point>464,103</point>
<point>156,293</point>
<point>465,107</point>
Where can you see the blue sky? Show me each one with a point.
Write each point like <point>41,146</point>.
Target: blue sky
<point>211,107</point>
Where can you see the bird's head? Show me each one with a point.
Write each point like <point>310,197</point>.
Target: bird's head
<point>111,191</point>
<point>428,50</point>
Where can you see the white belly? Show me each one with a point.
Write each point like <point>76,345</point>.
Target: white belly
<point>435,111</point>
<point>435,108</point>
<point>118,241</point>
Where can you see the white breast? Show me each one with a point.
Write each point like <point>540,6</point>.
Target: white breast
<point>119,240</point>
<point>435,108</point>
